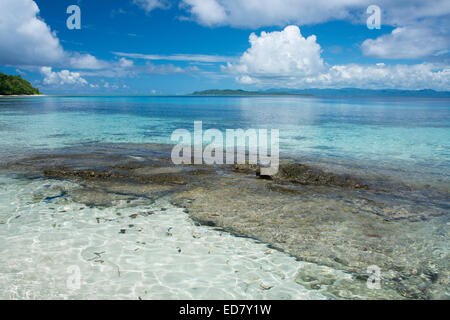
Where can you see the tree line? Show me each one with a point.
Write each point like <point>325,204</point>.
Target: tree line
<point>16,85</point>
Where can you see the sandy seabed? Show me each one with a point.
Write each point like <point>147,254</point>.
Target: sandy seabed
<point>128,224</point>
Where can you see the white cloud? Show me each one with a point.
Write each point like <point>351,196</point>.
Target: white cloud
<point>281,54</point>
<point>408,12</point>
<point>62,77</point>
<point>127,69</point>
<point>149,5</point>
<point>176,57</point>
<point>125,63</point>
<point>161,69</point>
<point>421,26</point>
<point>258,13</point>
<point>289,60</point>
<point>86,61</point>
<point>412,42</point>
<point>380,76</point>
<point>26,40</point>
<point>207,12</point>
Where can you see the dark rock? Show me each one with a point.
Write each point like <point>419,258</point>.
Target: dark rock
<point>245,168</point>
<point>200,172</point>
<point>207,223</point>
<point>433,276</point>
<point>302,174</point>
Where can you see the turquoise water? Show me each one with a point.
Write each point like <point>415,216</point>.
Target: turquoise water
<point>42,240</point>
<point>391,135</point>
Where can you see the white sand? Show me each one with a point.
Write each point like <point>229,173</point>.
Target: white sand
<point>43,243</point>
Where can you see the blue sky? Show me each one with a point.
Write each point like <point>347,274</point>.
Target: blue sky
<point>179,46</point>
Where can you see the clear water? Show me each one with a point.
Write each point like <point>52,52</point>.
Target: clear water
<point>400,137</point>
<point>410,133</point>
<point>42,242</point>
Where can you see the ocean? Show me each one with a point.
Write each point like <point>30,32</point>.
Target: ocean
<point>47,238</point>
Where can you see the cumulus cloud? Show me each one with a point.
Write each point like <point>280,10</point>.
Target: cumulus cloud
<point>289,60</point>
<point>280,54</point>
<point>421,26</point>
<point>62,77</point>
<point>412,42</point>
<point>26,40</point>
<point>413,37</point>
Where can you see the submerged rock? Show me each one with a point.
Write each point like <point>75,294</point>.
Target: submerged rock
<point>320,217</point>
<point>302,174</point>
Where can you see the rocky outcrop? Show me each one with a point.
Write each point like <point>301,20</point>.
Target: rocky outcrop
<point>318,216</point>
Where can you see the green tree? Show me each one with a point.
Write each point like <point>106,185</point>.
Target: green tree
<point>15,85</point>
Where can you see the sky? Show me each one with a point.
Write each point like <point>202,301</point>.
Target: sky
<point>181,46</point>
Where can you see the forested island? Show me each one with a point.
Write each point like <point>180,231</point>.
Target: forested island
<point>16,85</point>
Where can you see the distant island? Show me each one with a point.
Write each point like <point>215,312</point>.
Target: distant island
<point>16,85</point>
<point>344,92</point>
<point>229,92</point>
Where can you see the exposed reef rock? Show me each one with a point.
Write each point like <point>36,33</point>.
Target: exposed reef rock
<point>297,173</point>
<point>302,174</point>
<point>325,218</point>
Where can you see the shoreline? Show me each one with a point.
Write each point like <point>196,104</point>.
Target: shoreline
<point>316,216</point>
<point>22,95</point>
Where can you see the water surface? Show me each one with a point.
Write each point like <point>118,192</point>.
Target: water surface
<point>399,139</point>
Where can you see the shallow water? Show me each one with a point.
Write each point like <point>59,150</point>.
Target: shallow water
<point>157,253</point>
<point>404,137</point>
<point>44,235</point>
<point>386,129</point>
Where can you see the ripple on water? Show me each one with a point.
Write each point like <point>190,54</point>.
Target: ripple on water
<point>159,256</point>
